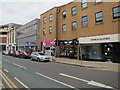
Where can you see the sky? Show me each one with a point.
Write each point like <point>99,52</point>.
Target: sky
<point>23,11</point>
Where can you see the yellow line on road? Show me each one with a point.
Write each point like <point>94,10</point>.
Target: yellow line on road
<point>7,82</point>
<point>10,81</point>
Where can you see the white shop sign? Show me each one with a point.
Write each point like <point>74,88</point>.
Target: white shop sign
<point>100,39</point>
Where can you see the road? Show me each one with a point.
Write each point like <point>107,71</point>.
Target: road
<point>25,73</point>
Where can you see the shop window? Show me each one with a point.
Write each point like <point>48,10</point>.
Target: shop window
<point>74,25</point>
<point>64,14</point>
<point>44,20</point>
<point>50,29</point>
<point>44,31</point>
<point>99,17</point>
<point>84,21</point>
<point>116,12</point>
<point>50,17</point>
<point>64,27</point>
<point>84,3</point>
<point>73,10</point>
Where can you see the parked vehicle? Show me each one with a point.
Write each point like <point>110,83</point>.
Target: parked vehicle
<point>3,52</point>
<point>11,52</point>
<point>16,53</point>
<point>24,55</point>
<point>7,52</point>
<point>39,56</point>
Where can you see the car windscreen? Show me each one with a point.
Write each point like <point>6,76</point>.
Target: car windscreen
<point>41,53</point>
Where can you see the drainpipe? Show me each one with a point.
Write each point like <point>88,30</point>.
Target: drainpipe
<point>57,11</point>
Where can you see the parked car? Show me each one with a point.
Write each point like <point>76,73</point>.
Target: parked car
<point>7,52</point>
<point>3,52</point>
<point>39,56</point>
<point>24,55</point>
<point>16,53</point>
<point>11,52</point>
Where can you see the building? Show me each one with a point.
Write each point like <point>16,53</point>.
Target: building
<point>87,30</point>
<point>48,25</point>
<point>27,36</point>
<point>3,36</point>
<point>11,36</point>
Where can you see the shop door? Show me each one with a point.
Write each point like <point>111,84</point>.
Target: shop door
<point>108,51</point>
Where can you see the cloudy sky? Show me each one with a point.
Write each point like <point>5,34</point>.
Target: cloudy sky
<point>22,11</point>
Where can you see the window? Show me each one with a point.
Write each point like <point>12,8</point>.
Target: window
<point>98,1</point>
<point>99,17</point>
<point>50,29</point>
<point>44,31</point>
<point>64,14</point>
<point>35,26</point>
<point>84,21</point>
<point>73,10</point>
<point>84,3</point>
<point>44,20</point>
<point>64,27</point>
<point>50,17</point>
<point>116,12</point>
<point>73,25</point>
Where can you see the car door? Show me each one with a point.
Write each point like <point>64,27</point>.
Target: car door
<point>33,55</point>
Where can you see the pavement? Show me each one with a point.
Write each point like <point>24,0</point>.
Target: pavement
<point>89,64</point>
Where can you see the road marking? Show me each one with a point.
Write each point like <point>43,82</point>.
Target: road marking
<point>6,60</point>
<point>9,80</point>
<point>73,77</point>
<point>6,82</point>
<point>55,80</point>
<point>6,70</point>
<point>88,82</point>
<point>21,82</point>
<point>19,66</point>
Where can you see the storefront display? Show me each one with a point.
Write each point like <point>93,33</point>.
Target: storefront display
<point>49,47</point>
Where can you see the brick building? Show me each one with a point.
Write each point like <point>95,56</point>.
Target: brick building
<point>93,27</point>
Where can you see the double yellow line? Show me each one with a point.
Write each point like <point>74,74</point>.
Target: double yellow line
<point>9,83</point>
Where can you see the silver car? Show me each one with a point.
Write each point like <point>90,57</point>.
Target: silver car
<point>39,57</point>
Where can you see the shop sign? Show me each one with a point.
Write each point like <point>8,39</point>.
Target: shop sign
<point>26,43</point>
<point>47,43</point>
<point>100,39</point>
<point>32,42</point>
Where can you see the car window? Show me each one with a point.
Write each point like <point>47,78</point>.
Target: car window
<point>41,53</point>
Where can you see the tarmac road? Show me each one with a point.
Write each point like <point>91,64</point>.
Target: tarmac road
<point>33,74</point>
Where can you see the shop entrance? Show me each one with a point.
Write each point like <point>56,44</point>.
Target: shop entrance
<point>108,51</point>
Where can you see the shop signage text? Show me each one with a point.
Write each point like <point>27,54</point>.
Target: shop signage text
<point>47,43</point>
<point>96,39</point>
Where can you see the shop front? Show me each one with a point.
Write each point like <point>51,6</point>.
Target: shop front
<point>68,48</point>
<point>102,48</point>
<point>49,47</point>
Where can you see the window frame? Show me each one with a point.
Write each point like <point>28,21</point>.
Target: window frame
<point>115,13</point>
<point>44,20</point>
<point>50,17</point>
<point>50,28</point>
<point>44,31</point>
<point>84,3</point>
<point>73,10</point>
<point>85,20</point>
<point>98,17</point>
<point>75,25</point>
<point>63,15</point>
<point>64,28</point>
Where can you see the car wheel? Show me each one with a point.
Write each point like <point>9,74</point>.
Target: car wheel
<point>31,59</point>
<point>38,60</point>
